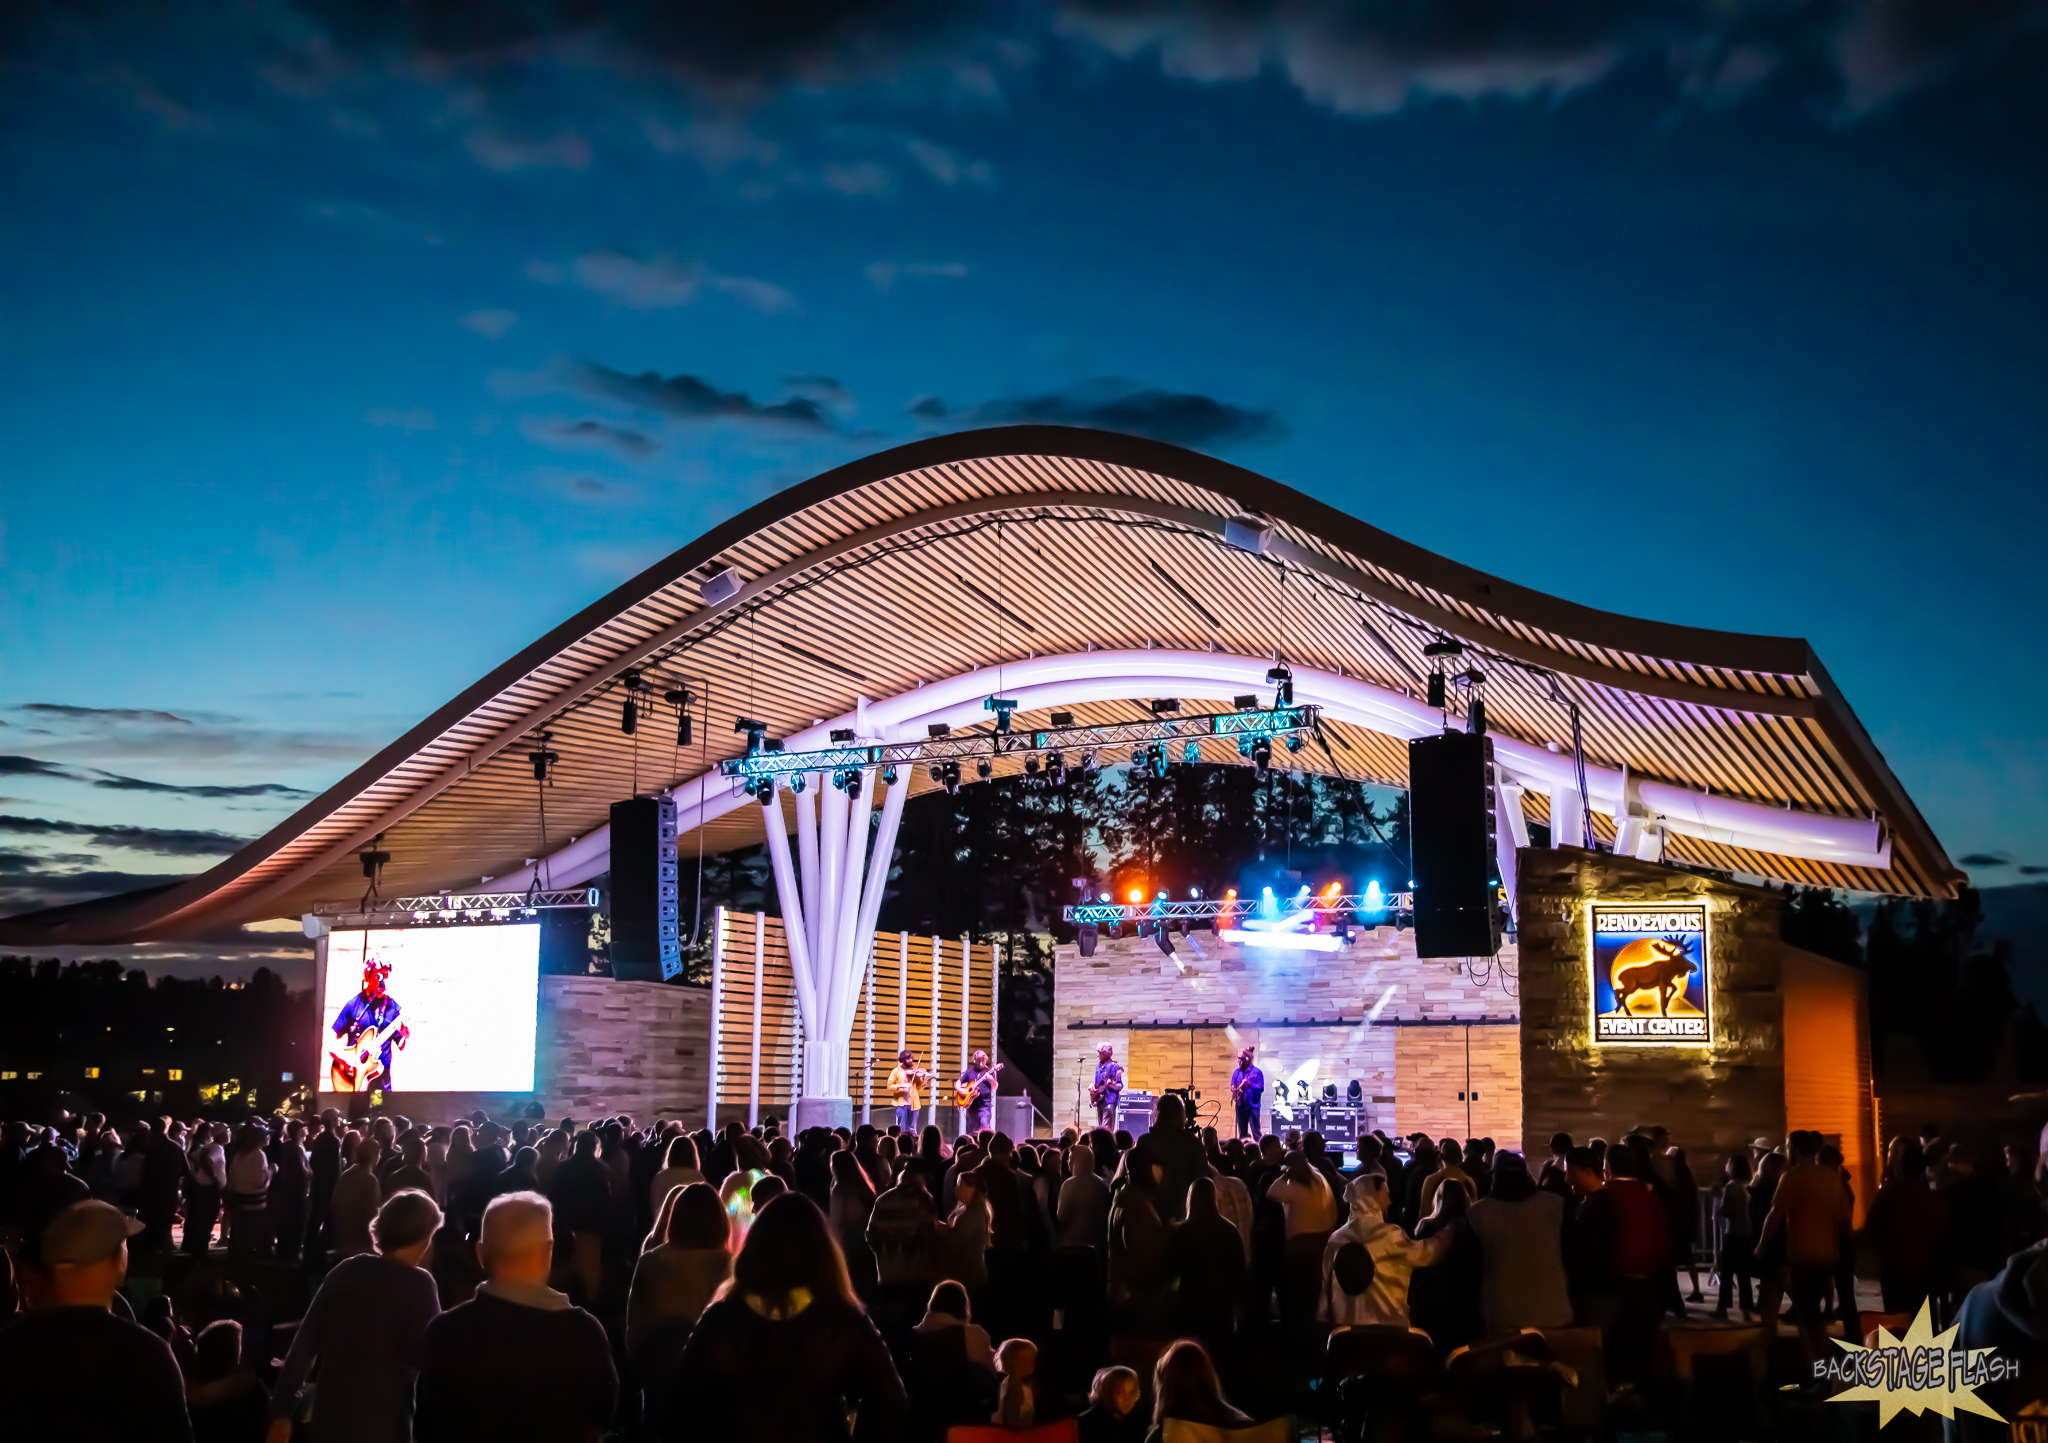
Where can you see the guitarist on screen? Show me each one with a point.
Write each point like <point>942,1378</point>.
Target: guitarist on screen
<point>368,1028</point>
<point>1247,1087</point>
<point>1109,1085</point>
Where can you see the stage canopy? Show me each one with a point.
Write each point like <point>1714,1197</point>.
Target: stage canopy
<point>1090,572</point>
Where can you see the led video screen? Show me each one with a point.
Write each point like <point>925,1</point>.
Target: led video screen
<point>430,1009</point>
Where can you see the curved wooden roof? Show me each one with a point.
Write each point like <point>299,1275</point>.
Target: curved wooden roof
<point>980,546</point>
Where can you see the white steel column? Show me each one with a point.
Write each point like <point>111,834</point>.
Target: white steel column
<point>754,1059</point>
<point>715,1056</point>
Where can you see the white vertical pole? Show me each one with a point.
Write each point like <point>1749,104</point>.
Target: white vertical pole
<point>715,1055</point>
<point>754,1057</point>
<point>902,988</point>
<point>933,1050</point>
<point>966,996</point>
<point>807,849</point>
<point>867,1066</point>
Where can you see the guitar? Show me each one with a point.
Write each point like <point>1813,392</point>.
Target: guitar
<point>1099,1093</point>
<point>361,1072</point>
<point>964,1092</point>
<point>1239,1088</point>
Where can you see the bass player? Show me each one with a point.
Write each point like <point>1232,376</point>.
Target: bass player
<point>1109,1085</point>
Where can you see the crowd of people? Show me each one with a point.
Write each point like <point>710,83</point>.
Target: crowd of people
<point>487,1280</point>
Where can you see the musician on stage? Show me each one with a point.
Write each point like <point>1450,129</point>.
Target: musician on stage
<point>1109,1085</point>
<point>373,1014</point>
<point>976,1086</point>
<point>1247,1087</point>
<point>904,1078</point>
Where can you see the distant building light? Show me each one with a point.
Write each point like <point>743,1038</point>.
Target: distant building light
<point>149,1072</point>
<point>175,1074</point>
<point>92,1072</point>
<point>287,1077</point>
<point>33,1076</point>
<point>8,1076</point>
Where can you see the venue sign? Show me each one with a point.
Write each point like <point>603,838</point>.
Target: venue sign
<point>1649,974</point>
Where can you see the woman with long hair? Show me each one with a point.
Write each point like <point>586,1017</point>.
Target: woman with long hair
<point>787,1346</point>
<point>674,1281</point>
<point>679,1169</point>
<point>1185,1386</point>
<point>853,1200</point>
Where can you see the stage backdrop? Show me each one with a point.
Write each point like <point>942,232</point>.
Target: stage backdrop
<point>758,1039</point>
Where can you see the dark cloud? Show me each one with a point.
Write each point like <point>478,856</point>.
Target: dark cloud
<point>28,894</point>
<point>1380,56</point>
<point>2031,870</point>
<point>583,435</point>
<point>1109,404</point>
<point>1986,859</point>
<point>104,713</point>
<point>164,841</point>
<point>114,782</point>
<point>30,767</point>
<point>690,399</point>
<point>15,862</point>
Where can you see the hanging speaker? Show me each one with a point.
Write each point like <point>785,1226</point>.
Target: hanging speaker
<point>1450,801</point>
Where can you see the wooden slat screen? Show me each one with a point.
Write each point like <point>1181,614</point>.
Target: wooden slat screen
<point>901,984</point>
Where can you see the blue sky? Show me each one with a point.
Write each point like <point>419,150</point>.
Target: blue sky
<point>348,348</point>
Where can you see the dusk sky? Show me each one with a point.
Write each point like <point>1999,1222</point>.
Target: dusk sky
<point>348,347</point>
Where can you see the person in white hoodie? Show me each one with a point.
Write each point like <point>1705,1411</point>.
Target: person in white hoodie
<point>1395,1257</point>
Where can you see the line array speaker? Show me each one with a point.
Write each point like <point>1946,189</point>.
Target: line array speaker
<point>646,891</point>
<point>1451,807</point>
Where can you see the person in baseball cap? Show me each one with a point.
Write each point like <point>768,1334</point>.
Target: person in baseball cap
<point>72,1370</point>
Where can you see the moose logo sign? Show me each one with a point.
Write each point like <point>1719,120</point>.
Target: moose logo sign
<point>1650,975</point>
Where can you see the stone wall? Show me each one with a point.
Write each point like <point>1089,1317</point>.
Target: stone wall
<point>604,1047</point>
<point>1209,981</point>
<point>1713,1098</point>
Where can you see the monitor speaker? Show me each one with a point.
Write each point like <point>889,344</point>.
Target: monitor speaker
<point>646,891</point>
<point>1451,811</point>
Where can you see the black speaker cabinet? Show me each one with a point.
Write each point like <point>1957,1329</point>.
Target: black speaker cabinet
<point>646,891</point>
<point>1451,811</point>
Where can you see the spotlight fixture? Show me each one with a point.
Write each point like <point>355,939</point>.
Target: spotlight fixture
<point>888,776</point>
<point>796,782</point>
<point>937,730</point>
<point>1088,762</point>
<point>1283,682</point>
<point>373,860</point>
<point>1247,702</point>
<point>1062,718</point>
<point>1031,766</point>
<point>1165,704</point>
<point>983,769</point>
<point>846,779</point>
<point>543,758</point>
<point>938,771</point>
<point>842,734</point>
<point>1055,768</point>
<point>1294,741</point>
<point>1159,761</point>
<point>681,700</point>
<point>1262,753</point>
<point>1002,706</point>
<point>951,778</point>
<point>755,730</point>
<point>1191,753</point>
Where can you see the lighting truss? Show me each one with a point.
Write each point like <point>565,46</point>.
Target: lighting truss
<point>1103,914</point>
<point>1246,726</point>
<point>456,907</point>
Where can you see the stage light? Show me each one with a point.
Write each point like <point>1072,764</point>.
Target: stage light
<point>1137,895</point>
<point>1062,718</point>
<point>1375,900</point>
<point>951,778</point>
<point>1165,704</point>
<point>937,730</point>
<point>1282,941</point>
<point>543,759</point>
<point>1002,706</point>
<point>1165,940</point>
<point>1294,741</point>
<point>1087,936</point>
<point>841,735</point>
<point>1031,765</point>
<point>1262,753</point>
<point>1283,682</point>
<point>1247,702</point>
<point>846,779</point>
<point>755,731</point>
<point>1230,894</point>
<point>938,772</point>
<point>1055,768</point>
<point>796,782</point>
<point>1191,753</point>
<point>983,769</point>
<point>888,776</point>
<point>1105,896</point>
<point>1088,762</point>
<point>1195,894</point>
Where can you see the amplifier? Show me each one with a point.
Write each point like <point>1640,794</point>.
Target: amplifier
<point>1014,1116</point>
<point>1134,1113</point>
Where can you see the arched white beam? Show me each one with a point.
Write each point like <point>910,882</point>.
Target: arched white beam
<point>1078,677</point>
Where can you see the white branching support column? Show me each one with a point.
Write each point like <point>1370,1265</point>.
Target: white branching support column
<point>829,914</point>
